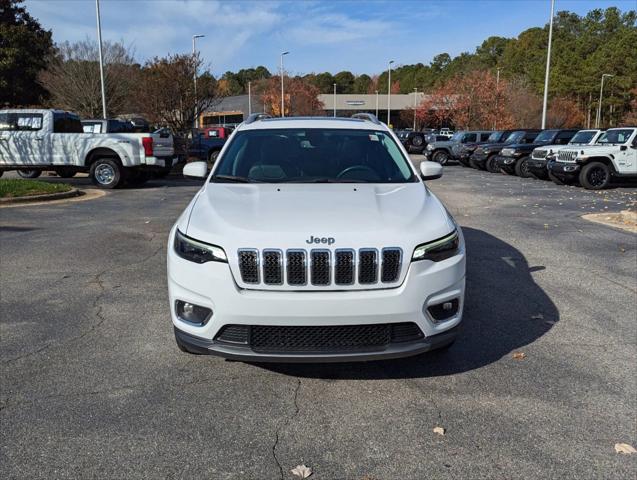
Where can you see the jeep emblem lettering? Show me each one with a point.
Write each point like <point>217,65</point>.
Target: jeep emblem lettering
<point>313,239</point>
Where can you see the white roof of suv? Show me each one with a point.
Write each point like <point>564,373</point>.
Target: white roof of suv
<point>313,122</point>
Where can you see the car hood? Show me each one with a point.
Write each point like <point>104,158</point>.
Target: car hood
<point>286,215</point>
<point>527,146</point>
<point>448,143</point>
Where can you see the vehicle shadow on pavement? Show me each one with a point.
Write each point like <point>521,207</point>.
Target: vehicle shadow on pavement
<point>504,311</point>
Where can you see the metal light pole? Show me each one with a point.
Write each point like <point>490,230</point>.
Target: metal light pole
<point>415,105</point>
<point>249,98</point>
<point>598,118</point>
<point>548,68</point>
<point>389,93</point>
<point>376,103</point>
<point>194,77</point>
<point>282,103</point>
<point>99,49</point>
<point>497,96</point>
<point>334,100</point>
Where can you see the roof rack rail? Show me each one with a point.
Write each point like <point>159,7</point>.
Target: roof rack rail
<point>367,116</point>
<point>255,117</point>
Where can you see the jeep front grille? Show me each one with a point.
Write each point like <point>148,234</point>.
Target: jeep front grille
<point>567,156</point>
<point>320,267</point>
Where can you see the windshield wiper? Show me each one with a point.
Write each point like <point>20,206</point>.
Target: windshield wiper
<point>232,178</point>
<point>333,180</point>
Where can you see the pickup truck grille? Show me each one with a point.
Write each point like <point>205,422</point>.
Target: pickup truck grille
<point>320,267</point>
<point>567,156</point>
<point>539,154</point>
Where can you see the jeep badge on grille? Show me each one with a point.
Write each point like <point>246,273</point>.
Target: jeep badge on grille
<point>313,239</point>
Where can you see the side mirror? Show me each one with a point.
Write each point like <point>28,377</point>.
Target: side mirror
<point>623,147</point>
<point>430,170</point>
<point>196,170</point>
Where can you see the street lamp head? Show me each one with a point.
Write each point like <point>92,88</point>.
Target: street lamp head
<point>284,53</point>
<point>607,75</point>
<point>391,61</point>
<point>198,36</point>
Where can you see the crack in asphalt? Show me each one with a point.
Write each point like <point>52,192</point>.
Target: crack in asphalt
<point>284,425</point>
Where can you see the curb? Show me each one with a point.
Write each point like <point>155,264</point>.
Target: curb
<point>39,198</point>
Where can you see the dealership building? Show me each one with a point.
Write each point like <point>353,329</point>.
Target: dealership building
<point>231,111</point>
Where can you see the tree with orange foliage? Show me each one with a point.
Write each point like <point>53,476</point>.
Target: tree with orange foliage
<point>301,97</point>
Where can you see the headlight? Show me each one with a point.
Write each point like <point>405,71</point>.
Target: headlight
<point>507,152</point>
<point>196,251</point>
<point>430,147</point>
<point>438,250</point>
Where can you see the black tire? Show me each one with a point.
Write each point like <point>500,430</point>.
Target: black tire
<point>24,173</point>
<point>595,176</point>
<point>464,162</point>
<point>522,168</point>
<point>65,172</point>
<point>106,173</point>
<point>556,180</point>
<point>212,158</point>
<point>441,157</point>
<point>417,141</point>
<point>491,165</point>
<point>1,173</point>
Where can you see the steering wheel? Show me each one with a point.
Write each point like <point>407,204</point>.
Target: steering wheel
<point>359,168</point>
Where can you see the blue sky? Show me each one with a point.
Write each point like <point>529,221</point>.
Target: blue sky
<point>360,36</point>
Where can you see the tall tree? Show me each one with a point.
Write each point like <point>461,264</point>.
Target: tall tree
<point>24,50</point>
<point>73,78</point>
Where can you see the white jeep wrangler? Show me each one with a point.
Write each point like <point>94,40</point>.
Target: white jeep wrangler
<point>613,156</point>
<point>315,239</point>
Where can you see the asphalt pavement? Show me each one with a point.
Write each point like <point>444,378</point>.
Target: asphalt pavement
<point>93,386</point>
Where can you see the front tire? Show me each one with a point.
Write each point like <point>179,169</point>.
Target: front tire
<point>491,165</point>
<point>595,176</point>
<point>24,173</point>
<point>522,168</point>
<point>106,173</point>
<point>441,157</point>
<point>417,141</point>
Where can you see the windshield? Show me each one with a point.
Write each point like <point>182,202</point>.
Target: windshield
<point>497,137</point>
<point>545,136</point>
<point>456,137</point>
<point>616,136</point>
<point>515,137</point>
<point>315,155</point>
<point>583,137</point>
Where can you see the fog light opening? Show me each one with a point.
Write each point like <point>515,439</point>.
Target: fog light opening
<point>191,313</point>
<point>444,310</point>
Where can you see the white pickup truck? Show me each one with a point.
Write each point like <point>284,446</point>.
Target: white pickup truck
<point>36,140</point>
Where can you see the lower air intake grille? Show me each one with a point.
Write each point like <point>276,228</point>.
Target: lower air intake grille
<point>333,338</point>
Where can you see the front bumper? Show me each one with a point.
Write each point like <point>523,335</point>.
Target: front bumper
<point>563,170</point>
<point>211,285</point>
<point>536,165</point>
<point>506,163</point>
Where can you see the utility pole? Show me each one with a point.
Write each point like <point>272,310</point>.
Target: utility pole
<point>497,96</point>
<point>598,119</point>
<point>548,68</point>
<point>389,94</point>
<point>282,92</point>
<point>249,98</point>
<point>415,105</point>
<point>99,49</point>
<point>334,100</point>
<point>376,103</point>
<point>194,77</point>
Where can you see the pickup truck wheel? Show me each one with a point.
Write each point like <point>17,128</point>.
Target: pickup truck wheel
<point>65,172</point>
<point>595,176</point>
<point>441,157</point>
<point>522,168</point>
<point>491,165</point>
<point>106,173</point>
<point>29,173</point>
<point>212,158</point>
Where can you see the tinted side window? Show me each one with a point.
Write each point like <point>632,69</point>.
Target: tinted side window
<point>23,122</point>
<point>529,137</point>
<point>484,136</point>
<point>66,123</point>
<point>564,137</point>
<point>469,137</point>
<point>5,124</point>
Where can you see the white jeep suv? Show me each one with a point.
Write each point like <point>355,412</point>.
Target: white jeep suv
<point>314,239</point>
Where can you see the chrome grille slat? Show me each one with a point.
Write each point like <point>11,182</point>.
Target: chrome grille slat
<point>320,267</point>
<point>390,266</point>
<point>272,267</point>
<point>367,266</point>
<point>566,155</point>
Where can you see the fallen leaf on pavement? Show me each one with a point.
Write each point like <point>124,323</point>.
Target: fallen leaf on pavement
<point>625,448</point>
<point>439,430</point>
<point>301,471</point>
<point>519,355</point>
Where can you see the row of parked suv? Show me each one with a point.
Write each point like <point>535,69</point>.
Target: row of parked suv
<point>593,158</point>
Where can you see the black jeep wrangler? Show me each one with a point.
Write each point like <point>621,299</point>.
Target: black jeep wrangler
<point>484,157</point>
